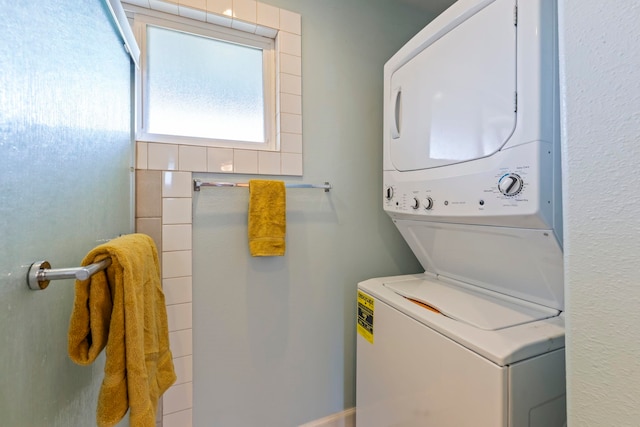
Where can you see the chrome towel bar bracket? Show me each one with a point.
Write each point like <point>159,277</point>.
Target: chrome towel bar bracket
<point>41,273</point>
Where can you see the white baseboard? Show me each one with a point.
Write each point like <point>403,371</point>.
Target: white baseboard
<point>346,418</point>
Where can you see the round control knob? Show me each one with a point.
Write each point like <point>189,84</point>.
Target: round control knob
<point>428,203</point>
<point>510,184</point>
<point>388,193</point>
<point>415,203</point>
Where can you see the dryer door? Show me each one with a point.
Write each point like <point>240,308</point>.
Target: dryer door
<point>455,100</point>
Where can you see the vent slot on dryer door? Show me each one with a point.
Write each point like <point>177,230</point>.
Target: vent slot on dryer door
<point>454,101</point>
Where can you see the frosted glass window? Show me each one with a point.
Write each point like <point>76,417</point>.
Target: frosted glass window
<point>203,88</point>
<point>203,84</point>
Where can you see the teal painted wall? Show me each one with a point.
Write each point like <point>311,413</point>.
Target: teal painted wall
<point>274,338</point>
<point>65,154</point>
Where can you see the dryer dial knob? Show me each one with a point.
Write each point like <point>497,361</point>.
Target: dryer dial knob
<point>428,203</point>
<point>415,203</point>
<point>510,184</point>
<point>388,193</point>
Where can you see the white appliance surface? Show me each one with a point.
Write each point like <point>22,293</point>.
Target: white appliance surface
<point>471,305</point>
<point>471,174</point>
<point>524,330</point>
<point>464,92</point>
<point>524,263</point>
<point>413,375</point>
<point>503,184</point>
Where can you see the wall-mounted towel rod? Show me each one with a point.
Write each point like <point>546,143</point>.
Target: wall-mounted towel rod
<point>198,183</point>
<point>41,273</point>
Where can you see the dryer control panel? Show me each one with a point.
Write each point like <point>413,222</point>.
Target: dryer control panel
<point>505,190</point>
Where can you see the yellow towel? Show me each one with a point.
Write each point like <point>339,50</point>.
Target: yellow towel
<point>123,308</point>
<point>267,217</point>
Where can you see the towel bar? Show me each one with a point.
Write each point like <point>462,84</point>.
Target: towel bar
<point>198,183</point>
<point>41,273</point>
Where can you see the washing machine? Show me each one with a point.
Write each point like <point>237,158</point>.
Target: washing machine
<point>471,179</point>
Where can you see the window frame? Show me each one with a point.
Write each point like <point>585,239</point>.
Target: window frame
<point>143,19</point>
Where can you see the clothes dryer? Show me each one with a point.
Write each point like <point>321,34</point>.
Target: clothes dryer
<point>472,181</point>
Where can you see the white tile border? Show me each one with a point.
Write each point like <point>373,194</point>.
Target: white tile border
<point>178,282</point>
<point>179,317</point>
<point>177,290</point>
<point>253,17</point>
<point>176,210</point>
<point>181,343</point>
<point>184,369</point>
<point>178,419</point>
<point>178,398</point>
<point>177,162</point>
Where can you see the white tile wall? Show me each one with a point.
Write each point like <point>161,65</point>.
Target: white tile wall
<point>268,15</point>
<point>176,184</point>
<point>176,210</point>
<point>268,163</point>
<point>291,164</point>
<point>177,162</point>
<point>290,64</point>
<point>291,143</point>
<point>250,16</point>
<point>141,155</point>
<point>245,161</point>
<point>181,343</point>
<point>290,43</point>
<point>290,22</point>
<point>162,156</point>
<point>177,290</point>
<point>291,103</point>
<point>184,369</point>
<point>220,160</point>
<point>179,317</point>
<point>245,10</point>
<point>290,83</point>
<point>176,237</point>
<point>220,7</point>
<point>197,4</point>
<point>290,123</point>
<point>178,419</point>
<point>176,264</point>
<point>177,398</point>
<point>193,158</point>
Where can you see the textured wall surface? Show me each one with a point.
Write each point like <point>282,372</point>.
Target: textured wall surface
<point>65,154</point>
<point>600,64</point>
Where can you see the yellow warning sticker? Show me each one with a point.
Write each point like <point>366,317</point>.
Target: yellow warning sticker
<point>365,316</point>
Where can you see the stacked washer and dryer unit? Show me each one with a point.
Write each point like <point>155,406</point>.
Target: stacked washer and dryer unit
<point>472,181</point>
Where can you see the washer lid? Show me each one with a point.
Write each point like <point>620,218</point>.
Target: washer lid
<point>479,308</point>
